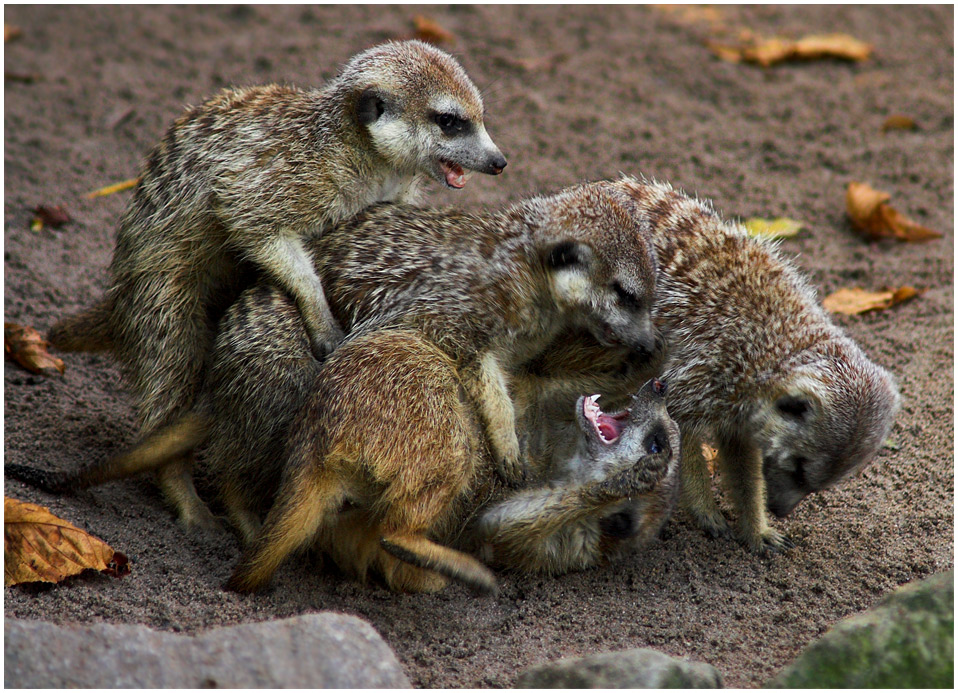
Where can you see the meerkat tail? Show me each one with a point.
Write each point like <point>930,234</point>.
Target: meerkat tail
<point>46,480</point>
<point>154,452</point>
<point>455,565</point>
<point>88,330</point>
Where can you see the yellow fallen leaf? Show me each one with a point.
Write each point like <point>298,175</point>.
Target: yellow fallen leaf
<point>115,188</point>
<point>28,348</point>
<point>833,46</point>
<point>855,301</point>
<point>898,122</point>
<point>770,51</point>
<point>430,31</point>
<point>869,212</point>
<point>782,227</point>
<point>40,547</point>
<point>11,32</point>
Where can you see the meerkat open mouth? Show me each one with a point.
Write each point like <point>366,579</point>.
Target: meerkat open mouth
<point>607,426</point>
<point>454,173</point>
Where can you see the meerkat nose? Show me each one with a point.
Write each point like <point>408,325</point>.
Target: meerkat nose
<point>497,164</point>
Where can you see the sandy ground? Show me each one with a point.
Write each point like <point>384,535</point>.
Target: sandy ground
<point>610,89</point>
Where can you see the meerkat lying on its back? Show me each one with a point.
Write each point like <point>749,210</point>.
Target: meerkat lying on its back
<point>616,478</point>
<point>243,180</point>
<point>754,365</point>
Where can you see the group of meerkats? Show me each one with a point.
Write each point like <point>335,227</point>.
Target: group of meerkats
<point>410,390</point>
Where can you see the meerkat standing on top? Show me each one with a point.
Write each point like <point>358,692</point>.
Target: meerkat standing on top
<point>240,182</point>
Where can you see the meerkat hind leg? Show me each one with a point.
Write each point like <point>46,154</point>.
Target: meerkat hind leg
<point>304,502</point>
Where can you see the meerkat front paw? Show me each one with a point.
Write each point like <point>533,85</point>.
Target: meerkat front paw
<point>637,479</point>
<point>325,340</point>
<point>765,542</point>
<point>511,467</point>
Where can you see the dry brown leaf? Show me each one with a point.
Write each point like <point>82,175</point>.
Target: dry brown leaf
<point>49,215</point>
<point>40,547</point>
<point>115,188</point>
<point>28,348</point>
<point>870,214</point>
<point>542,63</point>
<point>11,32</point>
<point>25,77</point>
<point>430,31</point>
<point>770,51</point>
<point>855,301</point>
<point>783,227</point>
<point>711,457</point>
<point>898,122</point>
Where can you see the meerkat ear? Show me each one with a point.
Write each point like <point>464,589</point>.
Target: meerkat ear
<point>369,106</point>
<point>568,254</point>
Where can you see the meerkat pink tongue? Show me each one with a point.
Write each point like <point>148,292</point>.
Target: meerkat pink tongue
<point>455,176</point>
<point>608,426</point>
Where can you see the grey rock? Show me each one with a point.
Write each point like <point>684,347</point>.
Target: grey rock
<point>906,641</point>
<point>325,650</point>
<point>638,668</point>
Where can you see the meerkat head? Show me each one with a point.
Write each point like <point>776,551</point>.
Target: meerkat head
<point>604,267</point>
<point>421,111</point>
<point>823,421</point>
<point>611,442</point>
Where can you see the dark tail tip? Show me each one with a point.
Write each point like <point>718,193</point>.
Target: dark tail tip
<point>51,482</point>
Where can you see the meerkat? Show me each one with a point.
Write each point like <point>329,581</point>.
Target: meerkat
<point>754,366</point>
<point>489,290</point>
<point>606,484</point>
<point>239,183</point>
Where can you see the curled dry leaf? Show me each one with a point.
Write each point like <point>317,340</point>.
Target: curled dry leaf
<point>24,77</point>
<point>898,122</point>
<point>783,227</point>
<point>115,188</point>
<point>38,546</point>
<point>28,348</point>
<point>430,31</point>
<point>49,215</point>
<point>871,214</point>
<point>11,32</point>
<point>711,457</point>
<point>542,63</point>
<point>855,301</point>
<point>766,52</point>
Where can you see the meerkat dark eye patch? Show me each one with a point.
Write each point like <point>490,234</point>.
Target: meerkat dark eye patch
<point>451,124</point>
<point>369,107</point>
<point>794,407</point>
<point>627,298</point>
<point>657,441</point>
<point>568,254</point>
